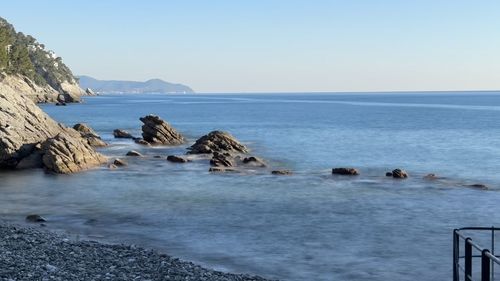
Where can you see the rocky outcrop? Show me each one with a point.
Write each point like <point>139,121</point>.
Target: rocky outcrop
<point>345,171</point>
<point>217,141</point>
<point>65,154</point>
<point>254,161</point>
<point>399,174</point>
<point>222,160</point>
<point>90,92</point>
<point>282,172</point>
<point>29,138</point>
<point>133,153</point>
<point>89,134</point>
<point>157,131</point>
<point>122,134</point>
<point>176,159</point>
<point>25,86</point>
<point>119,163</point>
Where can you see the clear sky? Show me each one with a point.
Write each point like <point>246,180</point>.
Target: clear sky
<point>274,45</point>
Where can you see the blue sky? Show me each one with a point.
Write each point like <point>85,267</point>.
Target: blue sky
<point>274,45</point>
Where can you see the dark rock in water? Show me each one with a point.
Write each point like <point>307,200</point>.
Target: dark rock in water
<point>254,161</point>
<point>157,131</point>
<point>399,174</point>
<point>221,160</point>
<point>431,177</point>
<point>90,92</point>
<point>388,174</point>
<point>133,153</point>
<point>35,218</point>
<point>141,141</point>
<point>176,159</point>
<point>122,134</point>
<point>61,103</point>
<point>345,171</point>
<point>220,170</point>
<point>119,163</point>
<point>282,172</point>
<point>217,141</point>
<point>477,186</point>
<point>157,156</point>
<point>90,135</point>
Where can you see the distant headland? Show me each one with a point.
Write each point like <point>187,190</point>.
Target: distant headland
<point>132,87</point>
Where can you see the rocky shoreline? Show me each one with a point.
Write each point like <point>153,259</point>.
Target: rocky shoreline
<point>36,254</point>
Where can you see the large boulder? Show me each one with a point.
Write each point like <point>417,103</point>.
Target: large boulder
<point>217,141</point>
<point>399,174</point>
<point>27,134</point>
<point>65,154</point>
<point>157,131</point>
<point>89,134</point>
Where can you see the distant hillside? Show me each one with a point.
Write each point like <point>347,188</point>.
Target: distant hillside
<point>132,87</point>
<point>23,56</point>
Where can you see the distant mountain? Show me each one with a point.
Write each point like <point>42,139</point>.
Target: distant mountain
<point>132,87</point>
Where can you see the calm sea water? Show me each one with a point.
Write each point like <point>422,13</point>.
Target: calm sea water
<point>309,226</point>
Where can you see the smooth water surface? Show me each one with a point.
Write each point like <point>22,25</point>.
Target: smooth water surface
<point>309,226</point>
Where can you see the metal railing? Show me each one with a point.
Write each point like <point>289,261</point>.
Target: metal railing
<point>487,256</point>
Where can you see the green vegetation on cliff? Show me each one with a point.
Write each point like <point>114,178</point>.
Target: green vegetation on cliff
<point>22,54</point>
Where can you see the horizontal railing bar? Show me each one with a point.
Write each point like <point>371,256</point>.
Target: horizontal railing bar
<point>478,228</point>
<point>493,258</point>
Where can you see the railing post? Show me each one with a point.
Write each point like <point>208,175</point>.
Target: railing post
<point>485,266</point>
<point>468,259</point>
<point>456,245</point>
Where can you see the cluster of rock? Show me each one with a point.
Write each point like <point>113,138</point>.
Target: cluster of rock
<point>157,131</point>
<point>29,138</point>
<point>89,134</point>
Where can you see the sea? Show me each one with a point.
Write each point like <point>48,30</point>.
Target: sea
<point>311,225</point>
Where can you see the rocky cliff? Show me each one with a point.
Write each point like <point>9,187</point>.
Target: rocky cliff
<point>48,78</point>
<point>29,138</point>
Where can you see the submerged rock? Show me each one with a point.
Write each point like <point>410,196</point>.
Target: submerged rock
<point>122,134</point>
<point>119,162</point>
<point>35,218</point>
<point>176,159</point>
<point>157,131</point>
<point>64,154</point>
<point>282,172</point>
<point>399,174</point>
<point>141,141</point>
<point>431,177</point>
<point>133,153</point>
<point>477,186</point>
<point>90,135</point>
<point>345,171</point>
<point>220,170</point>
<point>217,141</point>
<point>388,174</point>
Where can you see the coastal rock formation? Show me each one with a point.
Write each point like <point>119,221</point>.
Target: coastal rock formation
<point>35,218</point>
<point>217,141</point>
<point>345,171</point>
<point>254,161</point>
<point>221,160</point>
<point>133,153</point>
<point>119,163</point>
<point>282,172</point>
<point>176,159</point>
<point>399,174</point>
<point>89,134</point>
<point>29,138</point>
<point>141,141</point>
<point>90,92</point>
<point>157,131</point>
<point>66,154</point>
<point>122,134</point>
